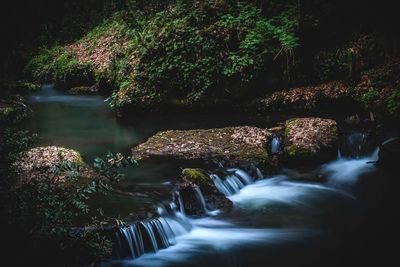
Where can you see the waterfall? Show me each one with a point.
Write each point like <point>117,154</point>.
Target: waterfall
<point>178,199</point>
<point>233,182</point>
<point>280,189</point>
<point>172,225</point>
<point>355,145</point>
<point>355,152</point>
<point>275,144</point>
<point>346,171</point>
<point>259,174</point>
<point>200,199</point>
<point>151,235</point>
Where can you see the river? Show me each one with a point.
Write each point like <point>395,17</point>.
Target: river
<point>276,221</point>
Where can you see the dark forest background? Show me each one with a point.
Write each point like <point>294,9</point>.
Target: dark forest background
<point>24,24</point>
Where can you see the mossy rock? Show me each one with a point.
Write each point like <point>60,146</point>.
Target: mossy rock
<point>310,140</point>
<point>41,163</point>
<point>187,187</point>
<point>236,146</point>
<point>198,177</point>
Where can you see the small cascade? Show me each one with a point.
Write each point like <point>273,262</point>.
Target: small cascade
<point>200,199</point>
<point>151,235</point>
<point>356,151</point>
<point>177,198</point>
<point>280,189</point>
<point>355,145</point>
<point>275,143</point>
<point>259,174</point>
<point>346,171</point>
<point>232,183</point>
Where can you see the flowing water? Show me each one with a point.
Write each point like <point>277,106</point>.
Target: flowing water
<point>275,143</point>
<point>276,220</point>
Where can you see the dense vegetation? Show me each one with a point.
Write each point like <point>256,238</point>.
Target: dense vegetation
<point>178,54</point>
<point>208,52</point>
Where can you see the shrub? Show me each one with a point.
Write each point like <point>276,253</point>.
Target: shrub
<point>191,55</point>
<point>61,67</point>
<point>393,103</point>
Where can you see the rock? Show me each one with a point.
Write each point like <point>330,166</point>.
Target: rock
<point>304,98</point>
<point>190,202</point>
<point>84,90</point>
<point>389,152</point>
<point>41,163</point>
<point>310,140</point>
<point>199,177</point>
<point>218,201</point>
<point>214,200</point>
<point>236,146</point>
<point>192,178</point>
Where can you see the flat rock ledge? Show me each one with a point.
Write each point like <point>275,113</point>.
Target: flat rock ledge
<point>238,146</point>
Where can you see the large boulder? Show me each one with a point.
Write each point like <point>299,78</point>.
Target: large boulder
<point>237,146</point>
<point>42,162</point>
<point>310,140</point>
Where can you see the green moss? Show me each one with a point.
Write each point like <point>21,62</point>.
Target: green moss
<point>197,176</point>
<point>289,124</point>
<point>334,132</point>
<point>294,151</point>
<point>250,153</point>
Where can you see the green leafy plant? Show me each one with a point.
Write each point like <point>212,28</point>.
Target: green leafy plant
<point>393,103</point>
<point>370,97</point>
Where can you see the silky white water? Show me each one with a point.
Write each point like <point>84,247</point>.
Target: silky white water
<point>346,171</point>
<point>186,237</point>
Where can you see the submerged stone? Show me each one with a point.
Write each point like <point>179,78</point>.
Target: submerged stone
<point>310,140</point>
<point>236,146</point>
